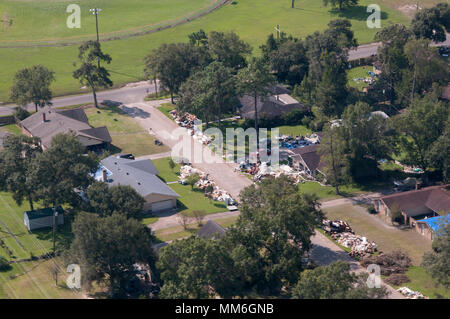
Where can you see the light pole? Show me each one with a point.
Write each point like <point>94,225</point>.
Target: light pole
<point>95,12</point>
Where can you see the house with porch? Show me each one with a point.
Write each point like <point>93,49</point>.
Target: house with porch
<point>417,207</point>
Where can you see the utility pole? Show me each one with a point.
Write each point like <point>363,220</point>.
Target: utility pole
<point>95,12</point>
<point>55,215</point>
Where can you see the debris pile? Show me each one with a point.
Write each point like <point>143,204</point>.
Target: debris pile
<point>204,182</point>
<point>290,142</point>
<point>341,231</point>
<point>410,294</point>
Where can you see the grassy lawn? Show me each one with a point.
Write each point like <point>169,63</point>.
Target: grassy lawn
<point>191,200</point>
<point>328,192</point>
<point>358,72</point>
<point>386,237</point>
<point>165,172</point>
<point>166,108</point>
<point>11,128</point>
<point>295,130</point>
<point>253,20</point>
<point>178,232</point>
<point>24,243</point>
<point>45,20</point>
<point>34,280</point>
<point>127,137</point>
<point>423,282</point>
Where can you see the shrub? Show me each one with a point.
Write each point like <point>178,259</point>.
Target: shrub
<point>4,264</point>
<point>392,263</point>
<point>21,114</point>
<point>397,279</point>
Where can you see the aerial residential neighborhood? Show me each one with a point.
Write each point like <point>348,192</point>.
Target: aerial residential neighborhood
<point>252,150</point>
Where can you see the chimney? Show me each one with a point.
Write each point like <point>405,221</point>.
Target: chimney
<point>43,117</point>
<point>104,176</point>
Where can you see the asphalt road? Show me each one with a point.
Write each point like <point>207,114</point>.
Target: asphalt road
<point>367,50</point>
<point>130,93</point>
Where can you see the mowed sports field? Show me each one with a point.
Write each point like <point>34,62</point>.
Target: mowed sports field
<point>253,20</point>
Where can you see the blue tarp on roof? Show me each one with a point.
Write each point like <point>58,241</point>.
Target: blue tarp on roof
<point>435,223</point>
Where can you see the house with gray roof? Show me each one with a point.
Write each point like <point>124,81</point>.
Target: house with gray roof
<point>142,176</point>
<point>48,122</point>
<point>276,104</point>
<point>211,230</point>
<point>42,218</point>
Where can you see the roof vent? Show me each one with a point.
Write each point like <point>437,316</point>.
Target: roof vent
<point>139,183</point>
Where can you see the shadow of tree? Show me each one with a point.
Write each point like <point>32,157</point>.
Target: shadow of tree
<point>355,13</point>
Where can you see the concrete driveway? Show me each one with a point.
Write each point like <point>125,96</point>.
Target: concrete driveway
<point>166,130</point>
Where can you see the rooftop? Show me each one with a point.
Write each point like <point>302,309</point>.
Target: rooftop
<point>64,121</point>
<point>416,202</point>
<point>139,174</point>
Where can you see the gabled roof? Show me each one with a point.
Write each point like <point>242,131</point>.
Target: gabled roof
<point>418,202</point>
<point>139,174</point>
<point>64,121</point>
<point>270,106</point>
<point>43,212</point>
<point>211,230</point>
<point>309,155</point>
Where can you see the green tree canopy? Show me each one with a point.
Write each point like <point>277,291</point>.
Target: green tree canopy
<point>196,268</point>
<point>108,248</point>
<point>335,282</point>
<point>173,63</point>
<point>122,199</point>
<point>61,169</point>
<point>228,49</point>
<point>32,85</point>
<point>271,235</point>
<point>15,167</point>
<point>340,4</point>
<point>431,23</point>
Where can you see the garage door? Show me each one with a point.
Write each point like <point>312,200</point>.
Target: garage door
<point>163,205</point>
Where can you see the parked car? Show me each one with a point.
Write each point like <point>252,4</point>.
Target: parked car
<point>127,156</point>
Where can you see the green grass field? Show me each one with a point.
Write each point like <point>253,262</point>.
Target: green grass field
<point>34,280</point>
<point>356,73</point>
<point>127,137</point>
<point>165,172</point>
<point>11,128</point>
<point>386,237</point>
<point>253,20</point>
<point>45,20</point>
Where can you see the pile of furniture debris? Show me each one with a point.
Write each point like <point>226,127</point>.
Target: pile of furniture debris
<point>410,294</point>
<point>341,231</point>
<point>217,194</point>
<point>183,119</point>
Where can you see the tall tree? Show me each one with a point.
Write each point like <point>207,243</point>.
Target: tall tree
<point>256,81</point>
<point>90,72</point>
<point>289,61</point>
<point>228,49</point>
<point>430,23</point>
<point>108,248</point>
<point>196,268</point>
<point>173,63</point>
<point>61,169</point>
<point>335,282</point>
<point>340,3</point>
<point>367,137</point>
<point>271,235</point>
<point>421,126</point>
<point>437,261</point>
<point>32,85</point>
<point>15,163</point>
<point>332,151</point>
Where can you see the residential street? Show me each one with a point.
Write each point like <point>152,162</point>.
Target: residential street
<point>146,114</point>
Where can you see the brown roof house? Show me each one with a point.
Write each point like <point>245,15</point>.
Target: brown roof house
<point>48,122</point>
<point>307,159</point>
<point>276,104</point>
<point>417,206</point>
